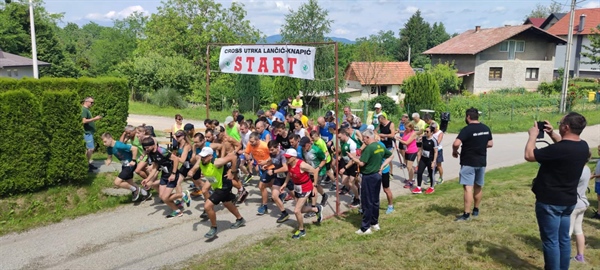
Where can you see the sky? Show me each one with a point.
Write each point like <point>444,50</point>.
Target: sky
<point>352,18</point>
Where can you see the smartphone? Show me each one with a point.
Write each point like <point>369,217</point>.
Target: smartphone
<point>541,126</point>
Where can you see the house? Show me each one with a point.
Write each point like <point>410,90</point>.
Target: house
<point>365,80</point>
<point>537,22</point>
<point>585,20</point>
<point>503,57</point>
<point>551,20</point>
<point>15,66</point>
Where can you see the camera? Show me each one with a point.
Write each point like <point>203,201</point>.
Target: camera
<point>541,126</point>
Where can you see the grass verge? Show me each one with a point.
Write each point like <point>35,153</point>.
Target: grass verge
<point>22,212</point>
<point>420,234</point>
<point>192,113</point>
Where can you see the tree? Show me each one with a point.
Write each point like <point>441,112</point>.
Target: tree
<point>438,35</point>
<point>422,92</point>
<point>373,55</point>
<point>542,11</point>
<point>415,35</point>
<point>445,76</point>
<point>284,87</point>
<point>248,88</point>
<point>594,47</point>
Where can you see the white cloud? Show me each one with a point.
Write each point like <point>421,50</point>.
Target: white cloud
<point>113,15</point>
<point>512,22</point>
<point>411,9</point>
<point>499,9</point>
<point>592,4</point>
<point>341,31</point>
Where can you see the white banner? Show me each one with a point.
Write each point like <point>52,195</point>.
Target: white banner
<point>274,60</point>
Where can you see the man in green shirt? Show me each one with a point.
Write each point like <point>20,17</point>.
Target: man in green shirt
<point>89,128</point>
<point>371,169</point>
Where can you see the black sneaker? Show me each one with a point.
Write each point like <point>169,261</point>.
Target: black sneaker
<point>283,217</point>
<point>463,217</point>
<point>204,215</point>
<point>324,199</point>
<point>147,197</point>
<point>355,203</point>
<point>475,212</point>
<point>333,187</point>
<point>326,182</point>
<point>135,195</point>
<point>319,213</point>
<point>309,214</point>
<point>211,233</point>
<point>238,223</point>
<point>91,166</point>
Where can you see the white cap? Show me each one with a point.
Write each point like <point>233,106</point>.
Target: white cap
<point>378,106</point>
<point>206,151</point>
<point>290,153</point>
<point>298,110</point>
<point>371,127</point>
<point>228,120</point>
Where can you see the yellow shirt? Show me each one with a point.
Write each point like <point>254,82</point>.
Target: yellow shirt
<point>297,103</point>
<point>419,126</point>
<point>304,121</point>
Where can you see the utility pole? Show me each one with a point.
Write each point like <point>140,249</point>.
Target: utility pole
<point>409,54</point>
<point>33,44</point>
<point>565,86</point>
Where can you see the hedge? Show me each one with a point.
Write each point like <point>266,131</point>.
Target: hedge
<point>41,139</point>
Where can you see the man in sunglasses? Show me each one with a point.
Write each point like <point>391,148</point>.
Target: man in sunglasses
<point>89,128</point>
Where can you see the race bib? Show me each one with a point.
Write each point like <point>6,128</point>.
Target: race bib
<point>281,175</point>
<point>298,188</point>
<point>426,153</point>
<point>211,179</point>
<point>164,169</point>
<point>125,163</point>
<point>186,164</point>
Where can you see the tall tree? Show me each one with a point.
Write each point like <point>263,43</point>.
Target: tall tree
<point>415,35</point>
<point>543,11</point>
<point>248,88</point>
<point>438,35</point>
<point>373,54</point>
<point>593,52</point>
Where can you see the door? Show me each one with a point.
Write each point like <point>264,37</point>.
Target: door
<point>512,47</point>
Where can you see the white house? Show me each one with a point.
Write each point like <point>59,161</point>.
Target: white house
<point>365,80</point>
<point>15,66</point>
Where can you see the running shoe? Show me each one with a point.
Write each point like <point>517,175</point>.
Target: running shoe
<point>390,209</point>
<point>333,187</point>
<point>324,199</point>
<point>475,212</point>
<point>92,166</point>
<point>375,227</point>
<point>262,210</point>
<point>309,215</point>
<point>596,216</point>
<point>319,213</point>
<point>361,232</point>
<point>430,190</point>
<point>289,197</point>
<point>148,196</point>
<point>326,182</point>
<point>204,215</point>
<point>440,180</point>
<point>247,178</point>
<point>282,196</point>
<point>211,233</point>
<point>579,258</point>
<point>416,190</point>
<point>463,217</point>
<point>355,203</point>
<point>283,217</point>
<point>409,184</point>
<point>192,186</point>
<point>186,198</point>
<point>298,234</point>
<point>179,205</point>
<point>238,223</point>
<point>135,195</point>
<point>196,193</point>
<point>243,196</point>
<point>175,214</point>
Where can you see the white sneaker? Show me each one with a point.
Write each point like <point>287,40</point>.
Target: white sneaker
<point>375,227</point>
<point>360,232</point>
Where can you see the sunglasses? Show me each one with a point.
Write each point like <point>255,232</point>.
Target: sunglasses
<point>178,119</point>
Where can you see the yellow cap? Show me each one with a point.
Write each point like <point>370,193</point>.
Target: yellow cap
<point>273,106</point>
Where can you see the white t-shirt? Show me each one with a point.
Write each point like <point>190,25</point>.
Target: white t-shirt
<point>436,136</point>
<point>245,138</point>
<point>300,132</point>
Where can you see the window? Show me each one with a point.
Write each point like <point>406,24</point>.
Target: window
<point>504,46</point>
<point>495,73</point>
<point>8,72</point>
<point>520,46</point>
<point>16,72</point>
<point>373,90</point>
<point>512,46</point>
<point>531,74</point>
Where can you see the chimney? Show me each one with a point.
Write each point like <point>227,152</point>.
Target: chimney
<point>477,28</point>
<point>581,23</point>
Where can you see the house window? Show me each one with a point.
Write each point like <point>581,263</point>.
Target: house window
<point>531,74</point>
<point>9,72</point>
<point>373,90</point>
<point>520,46</point>
<point>495,73</point>
<point>16,72</point>
<point>512,47</point>
<point>504,46</point>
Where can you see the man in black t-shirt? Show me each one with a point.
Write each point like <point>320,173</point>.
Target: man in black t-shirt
<point>474,140</point>
<point>555,186</point>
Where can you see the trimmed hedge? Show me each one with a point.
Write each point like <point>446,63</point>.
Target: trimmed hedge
<point>41,139</point>
<point>23,147</point>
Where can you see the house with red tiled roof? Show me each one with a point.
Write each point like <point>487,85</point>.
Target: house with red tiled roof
<point>371,79</point>
<point>586,20</point>
<point>15,66</point>
<point>537,22</point>
<point>502,57</point>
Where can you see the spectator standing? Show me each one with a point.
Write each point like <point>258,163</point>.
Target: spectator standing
<point>438,135</point>
<point>376,115</point>
<point>555,186</point>
<point>577,215</point>
<point>385,131</point>
<point>474,140</point>
<point>300,116</point>
<point>280,116</point>
<point>371,169</point>
<point>89,128</point>
<point>418,124</point>
<point>297,103</point>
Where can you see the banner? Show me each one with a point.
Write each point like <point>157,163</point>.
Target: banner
<point>274,60</point>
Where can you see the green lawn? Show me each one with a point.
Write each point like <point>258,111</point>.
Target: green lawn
<point>420,234</point>
<point>193,113</point>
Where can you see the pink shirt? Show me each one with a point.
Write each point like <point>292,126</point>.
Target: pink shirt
<point>411,148</point>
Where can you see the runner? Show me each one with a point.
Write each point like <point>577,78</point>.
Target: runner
<point>387,137</point>
<point>127,155</point>
<point>277,174</point>
<point>219,173</point>
<point>299,173</point>
<point>428,159</point>
<point>163,161</point>
<point>261,128</point>
<point>438,135</point>
<point>260,153</point>
<point>184,152</point>
<point>410,141</point>
<point>318,141</point>
<point>299,129</point>
<point>229,145</point>
<point>348,168</point>
<point>130,136</point>
<point>314,156</point>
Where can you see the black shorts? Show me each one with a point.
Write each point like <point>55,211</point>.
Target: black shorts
<point>401,146</point>
<point>221,195</point>
<point>328,166</point>
<point>411,157</point>
<point>164,180</point>
<point>385,180</point>
<point>279,182</point>
<point>351,171</point>
<point>127,172</point>
<point>184,169</point>
<point>197,175</point>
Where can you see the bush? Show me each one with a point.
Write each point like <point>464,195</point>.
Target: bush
<point>24,146</point>
<point>247,88</point>
<point>422,92</point>
<point>167,97</point>
<point>445,76</point>
<point>546,89</point>
<point>66,149</point>
<point>388,105</point>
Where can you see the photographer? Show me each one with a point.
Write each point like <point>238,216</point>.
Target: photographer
<point>555,186</point>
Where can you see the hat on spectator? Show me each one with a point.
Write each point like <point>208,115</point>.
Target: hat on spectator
<point>273,106</point>
<point>378,106</point>
<point>290,153</point>
<point>371,127</point>
<point>179,133</point>
<point>304,141</point>
<point>329,114</point>
<point>228,120</point>
<point>188,127</point>
<point>206,151</point>
<point>298,110</point>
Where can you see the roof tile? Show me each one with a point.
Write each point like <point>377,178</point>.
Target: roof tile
<point>378,73</point>
<point>592,20</point>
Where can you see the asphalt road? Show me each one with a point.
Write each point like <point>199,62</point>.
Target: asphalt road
<point>139,236</point>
